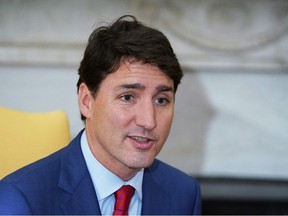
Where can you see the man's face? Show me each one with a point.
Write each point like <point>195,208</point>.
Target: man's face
<point>130,117</point>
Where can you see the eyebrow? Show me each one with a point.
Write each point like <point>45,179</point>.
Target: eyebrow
<point>130,86</point>
<point>164,88</point>
<point>160,88</point>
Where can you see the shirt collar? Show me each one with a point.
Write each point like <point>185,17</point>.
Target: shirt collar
<point>105,182</point>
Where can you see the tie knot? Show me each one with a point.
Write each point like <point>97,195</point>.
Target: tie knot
<point>123,197</point>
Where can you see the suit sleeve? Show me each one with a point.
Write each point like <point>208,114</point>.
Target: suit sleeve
<point>12,200</point>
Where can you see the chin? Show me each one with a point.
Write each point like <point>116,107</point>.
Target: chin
<point>140,163</point>
<point>139,159</point>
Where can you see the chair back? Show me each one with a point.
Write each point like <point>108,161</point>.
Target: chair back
<point>26,137</point>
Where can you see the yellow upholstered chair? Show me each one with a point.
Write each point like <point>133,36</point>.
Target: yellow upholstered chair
<point>26,137</point>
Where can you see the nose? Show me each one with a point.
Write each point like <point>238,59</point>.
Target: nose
<point>146,115</point>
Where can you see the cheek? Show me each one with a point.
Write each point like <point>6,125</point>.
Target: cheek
<point>165,121</point>
<point>119,118</point>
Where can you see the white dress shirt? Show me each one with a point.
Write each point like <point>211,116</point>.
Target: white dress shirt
<point>106,183</point>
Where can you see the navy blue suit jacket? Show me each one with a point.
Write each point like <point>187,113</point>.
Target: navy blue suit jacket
<point>61,184</point>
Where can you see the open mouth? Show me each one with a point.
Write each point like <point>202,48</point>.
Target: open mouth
<point>141,139</point>
<point>143,143</point>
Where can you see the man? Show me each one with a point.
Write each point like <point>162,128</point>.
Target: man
<point>126,92</point>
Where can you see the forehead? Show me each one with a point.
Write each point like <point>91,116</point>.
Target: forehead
<point>139,72</point>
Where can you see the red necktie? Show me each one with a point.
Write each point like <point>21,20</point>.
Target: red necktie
<point>123,197</point>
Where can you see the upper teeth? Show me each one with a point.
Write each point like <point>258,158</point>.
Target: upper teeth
<point>140,139</point>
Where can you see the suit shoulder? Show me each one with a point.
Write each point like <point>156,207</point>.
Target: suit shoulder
<point>182,189</point>
<point>171,175</point>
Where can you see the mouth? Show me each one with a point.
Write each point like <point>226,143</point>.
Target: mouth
<point>143,143</point>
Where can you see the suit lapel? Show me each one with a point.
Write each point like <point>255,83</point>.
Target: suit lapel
<point>76,181</point>
<point>83,201</point>
<point>155,199</point>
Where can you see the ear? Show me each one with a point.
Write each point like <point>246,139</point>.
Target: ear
<point>84,100</point>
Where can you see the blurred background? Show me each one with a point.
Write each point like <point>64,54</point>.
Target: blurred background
<point>231,121</point>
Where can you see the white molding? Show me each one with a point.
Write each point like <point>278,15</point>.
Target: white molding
<point>54,33</point>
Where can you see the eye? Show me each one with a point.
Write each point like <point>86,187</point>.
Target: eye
<point>162,101</point>
<point>127,98</point>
